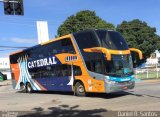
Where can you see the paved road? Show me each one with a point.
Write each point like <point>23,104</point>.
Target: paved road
<point>145,97</point>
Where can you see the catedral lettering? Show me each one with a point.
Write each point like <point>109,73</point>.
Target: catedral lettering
<point>42,62</point>
<point>82,62</point>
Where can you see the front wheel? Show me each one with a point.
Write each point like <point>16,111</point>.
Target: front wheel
<point>28,88</point>
<point>79,89</point>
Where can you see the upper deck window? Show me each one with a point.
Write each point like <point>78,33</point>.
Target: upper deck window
<point>87,39</point>
<point>112,40</point>
<point>61,46</point>
<point>41,51</point>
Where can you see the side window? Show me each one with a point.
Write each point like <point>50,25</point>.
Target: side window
<point>66,42</point>
<point>67,46</point>
<point>35,73</point>
<point>54,71</point>
<point>34,53</point>
<point>109,68</point>
<point>94,62</point>
<point>61,46</point>
<point>77,70</point>
<point>41,52</point>
<point>87,39</point>
<point>52,48</point>
<point>37,52</point>
<point>97,66</point>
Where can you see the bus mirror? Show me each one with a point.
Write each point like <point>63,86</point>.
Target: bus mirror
<point>137,51</point>
<point>99,50</point>
<point>107,52</point>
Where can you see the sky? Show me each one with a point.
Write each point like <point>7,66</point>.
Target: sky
<point>22,31</point>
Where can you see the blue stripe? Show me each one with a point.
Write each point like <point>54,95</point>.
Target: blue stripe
<point>29,77</point>
<point>121,79</point>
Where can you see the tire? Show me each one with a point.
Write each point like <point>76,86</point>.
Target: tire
<point>23,88</point>
<point>28,88</point>
<point>79,89</point>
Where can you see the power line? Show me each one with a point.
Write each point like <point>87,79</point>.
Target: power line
<point>8,49</point>
<point>16,47</point>
<point>17,23</point>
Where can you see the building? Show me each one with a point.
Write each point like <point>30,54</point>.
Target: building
<point>154,60</point>
<point>5,67</point>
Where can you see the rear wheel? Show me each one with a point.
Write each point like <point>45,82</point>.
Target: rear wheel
<point>23,88</point>
<point>28,88</point>
<point>79,89</point>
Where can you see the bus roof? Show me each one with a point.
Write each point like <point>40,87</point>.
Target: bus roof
<point>50,41</point>
<point>55,39</point>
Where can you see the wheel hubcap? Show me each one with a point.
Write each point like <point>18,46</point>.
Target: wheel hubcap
<point>22,87</point>
<point>81,89</point>
<point>29,88</point>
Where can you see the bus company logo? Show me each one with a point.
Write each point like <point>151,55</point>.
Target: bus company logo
<point>24,74</point>
<point>42,62</point>
<point>71,58</point>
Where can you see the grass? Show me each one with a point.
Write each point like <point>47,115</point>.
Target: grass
<point>150,75</point>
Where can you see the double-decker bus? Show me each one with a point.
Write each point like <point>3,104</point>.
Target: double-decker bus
<point>87,61</point>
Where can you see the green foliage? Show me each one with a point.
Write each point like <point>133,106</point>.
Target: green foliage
<point>81,21</point>
<point>139,35</point>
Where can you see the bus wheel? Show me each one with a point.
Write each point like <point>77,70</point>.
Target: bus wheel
<point>79,89</point>
<point>22,88</point>
<point>28,88</point>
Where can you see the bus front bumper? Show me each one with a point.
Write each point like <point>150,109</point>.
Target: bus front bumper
<point>112,86</point>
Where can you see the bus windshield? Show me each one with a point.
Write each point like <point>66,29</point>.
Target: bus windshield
<point>119,66</point>
<point>112,40</point>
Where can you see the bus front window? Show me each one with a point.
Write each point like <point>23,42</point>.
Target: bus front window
<point>119,66</point>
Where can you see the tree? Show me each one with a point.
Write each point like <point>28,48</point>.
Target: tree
<point>139,35</point>
<point>81,21</point>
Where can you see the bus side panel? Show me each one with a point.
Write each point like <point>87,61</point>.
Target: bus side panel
<point>15,72</point>
<point>98,86</point>
<point>92,85</point>
<point>55,83</point>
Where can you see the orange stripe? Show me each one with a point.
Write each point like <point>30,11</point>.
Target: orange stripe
<point>44,89</point>
<point>119,51</point>
<point>104,50</point>
<point>108,52</point>
<point>56,39</point>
